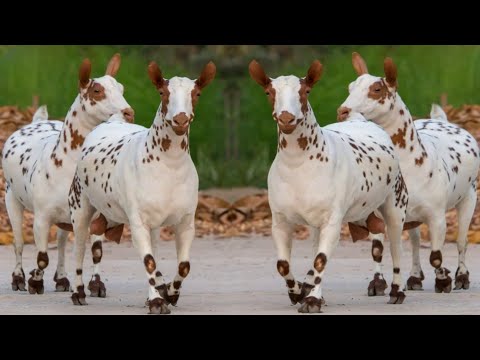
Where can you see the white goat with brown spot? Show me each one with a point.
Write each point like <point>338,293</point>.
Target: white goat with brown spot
<point>143,177</point>
<point>439,162</point>
<point>323,177</point>
<point>39,163</point>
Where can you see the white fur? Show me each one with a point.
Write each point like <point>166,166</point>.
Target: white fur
<point>445,176</point>
<point>40,114</point>
<point>147,180</point>
<point>39,182</point>
<point>324,194</point>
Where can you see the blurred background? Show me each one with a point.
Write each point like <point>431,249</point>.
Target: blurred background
<point>233,139</point>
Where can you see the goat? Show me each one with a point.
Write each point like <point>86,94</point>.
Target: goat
<point>144,177</point>
<point>322,177</point>
<point>39,162</point>
<point>438,159</point>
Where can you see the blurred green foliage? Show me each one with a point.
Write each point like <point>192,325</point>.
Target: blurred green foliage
<point>237,149</point>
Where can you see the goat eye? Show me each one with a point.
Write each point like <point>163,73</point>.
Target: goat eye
<point>198,94</point>
<point>377,90</point>
<point>161,93</point>
<point>308,92</point>
<point>267,93</point>
<point>96,91</point>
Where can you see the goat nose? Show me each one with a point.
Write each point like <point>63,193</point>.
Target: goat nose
<point>129,114</point>
<point>181,119</point>
<point>286,118</point>
<point>342,113</point>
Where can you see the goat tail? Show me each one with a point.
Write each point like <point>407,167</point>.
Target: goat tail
<point>41,114</point>
<point>437,113</point>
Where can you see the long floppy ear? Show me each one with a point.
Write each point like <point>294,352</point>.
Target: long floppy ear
<point>359,64</point>
<point>258,74</point>
<point>155,75</point>
<point>84,73</point>
<point>390,70</point>
<point>314,73</point>
<point>113,65</point>
<point>207,75</point>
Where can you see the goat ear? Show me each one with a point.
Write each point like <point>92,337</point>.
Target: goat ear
<point>359,64</point>
<point>207,75</point>
<point>113,65</point>
<point>155,75</point>
<point>390,70</point>
<point>84,73</point>
<point>314,73</point>
<point>258,74</point>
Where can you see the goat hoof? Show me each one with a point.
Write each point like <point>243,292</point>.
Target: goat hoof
<point>297,298</point>
<point>35,286</point>
<point>377,286</point>
<point>462,281</point>
<point>61,285</point>
<point>415,283</point>
<point>443,285</point>
<point>311,305</point>
<point>97,287</point>
<point>396,296</point>
<point>158,306</point>
<point>78,298</point>
<point>169,299</point>
<point>18,282</point>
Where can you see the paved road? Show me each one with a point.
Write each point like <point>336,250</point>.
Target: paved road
<point>238,276</point>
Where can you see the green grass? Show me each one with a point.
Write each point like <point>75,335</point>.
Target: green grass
<point>424,72</point>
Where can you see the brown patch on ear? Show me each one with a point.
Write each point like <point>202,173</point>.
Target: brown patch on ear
<point>390,70</point>
<point>84,73</point>
<point>155,74</point>
<point>207,75</point>
<point>314,73</point>
<point>258,74</point>
<point>359,64</point>
<point>113,65</point>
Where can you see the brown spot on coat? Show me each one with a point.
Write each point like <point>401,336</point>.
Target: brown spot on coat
<point>302,142</point>
<point>436,259</point>
<point>396,270</point>
<point>114,233</point>
<point>320,262</point>
<point>177,284</point>
<point>318,280</point>
<point>377,250</point>
<point>76,138</point>
<point>65,226</point>
<point>166,143</point>
<point>98,226</point>
<point>97,251</point>
<point>149,262</point>
<point>375,225</point>
<point>399,137</point>
<point>42,260</point>
<point>290,283</point>
<point>151,281</point>
<point>184,268</point>
<point>357,232</point>
<point>379,91</point>
<point>283,267</point>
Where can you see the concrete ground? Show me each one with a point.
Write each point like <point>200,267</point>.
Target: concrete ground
<point>238,276</point>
